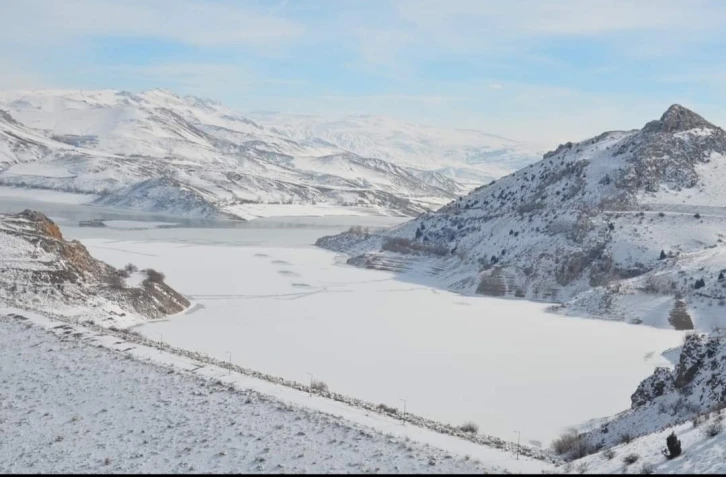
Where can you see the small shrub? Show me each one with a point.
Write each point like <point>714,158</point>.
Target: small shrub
<point>358,230</point>
<point>319,386</point>
<point>571,444</point>
<point>631,458</point>
<point>697,215</point>
<point>696,421</point>
<point>583,468</point>
<point>566,442</point>
<point>116,282</point>
<point>714,429</point>
<point>131,268</point>
<point>387,409</point>
<point>647,468</point>
<point>152,276</point>
<point>123,273</point>
<point>469,427</point>
<point>608,454</point>
<point>625,438</point>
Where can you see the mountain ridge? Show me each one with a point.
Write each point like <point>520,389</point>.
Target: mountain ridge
<point>585,227</point>
<point>105,142</point>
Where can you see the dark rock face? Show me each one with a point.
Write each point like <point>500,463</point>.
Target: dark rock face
<point>660,382</point>
<point>678,119</point>
<point>699,376</point>
<point>52,270</point>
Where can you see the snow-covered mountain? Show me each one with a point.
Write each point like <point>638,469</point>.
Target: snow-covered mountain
<point>627,225</point>
<point>157,151</point>
<point>464,155</point>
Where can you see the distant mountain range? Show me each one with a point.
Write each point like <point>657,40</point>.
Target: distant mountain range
<point>159,152</point>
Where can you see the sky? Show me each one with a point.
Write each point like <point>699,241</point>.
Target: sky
<point>543,71</point>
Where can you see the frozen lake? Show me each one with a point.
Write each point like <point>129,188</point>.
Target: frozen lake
<point>279,305</point>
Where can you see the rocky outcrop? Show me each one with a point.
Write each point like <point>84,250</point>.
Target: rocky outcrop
<point>699,375</point>
<point>41,270</point>
<point>678,119</point>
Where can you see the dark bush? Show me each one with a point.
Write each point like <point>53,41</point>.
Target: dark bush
<point>318,386</point>
<point>469,427</point>
<point>131,268</point>
<point>631,458</point>
<point>387,409</point>
<point>673,445</point>
<point>116,282</point>
<point>714,429</point>
<point>153,276</point>
<point>572,445</point>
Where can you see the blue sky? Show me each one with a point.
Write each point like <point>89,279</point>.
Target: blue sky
<point>540,70</point>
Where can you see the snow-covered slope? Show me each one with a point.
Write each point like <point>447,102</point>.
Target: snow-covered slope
<point>464,155</point>
<point>211,160</point>
<point>178,416</point>
<point>688,400</point>
<point>586,225</point>
<point>40,270</point>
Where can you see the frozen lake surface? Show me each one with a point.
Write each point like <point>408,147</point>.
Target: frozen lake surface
<point>279,305</point>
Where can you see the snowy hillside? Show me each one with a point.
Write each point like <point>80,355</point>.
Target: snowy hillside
<point>207,160</point>
<point>688,401</point>
<point>40,270</point>
<point>464,155</point>
<point>626,225</point>
<point>153,413</point>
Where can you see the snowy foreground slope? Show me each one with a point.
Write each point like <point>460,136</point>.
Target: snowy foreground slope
<point>585,226</point>
<point>688,400</point>
<point>160,152</point>
<point>182,416</point>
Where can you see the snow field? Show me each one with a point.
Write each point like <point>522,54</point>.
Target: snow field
<point>289,311</point>
<point>185,417</point>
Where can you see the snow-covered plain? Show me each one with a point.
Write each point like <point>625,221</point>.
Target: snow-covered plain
<point>282,307</point>
<point>144,418</point>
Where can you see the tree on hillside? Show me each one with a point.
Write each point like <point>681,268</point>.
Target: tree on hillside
<point>700,283</point>
<point>674,447</point>
<point>720,277</point>
<point>662,255</point>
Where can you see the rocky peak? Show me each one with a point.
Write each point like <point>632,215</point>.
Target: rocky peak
<point>677,119</point>
<point>5,116</point>
<point>42,223</point>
